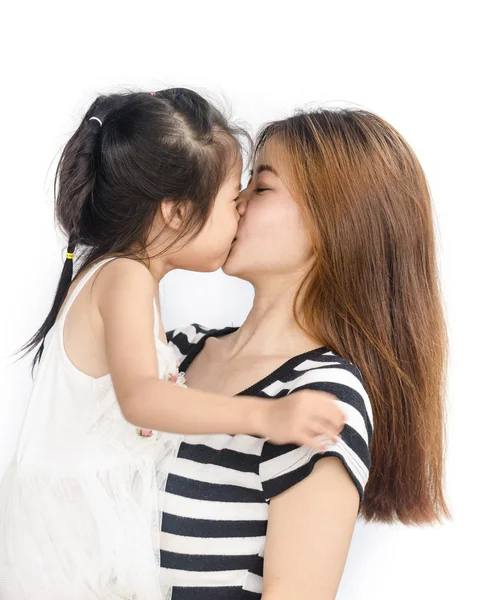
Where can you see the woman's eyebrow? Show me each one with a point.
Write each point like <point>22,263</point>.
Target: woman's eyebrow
<point>262,168</point>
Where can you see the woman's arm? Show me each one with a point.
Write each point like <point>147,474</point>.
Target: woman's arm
<point>309,532</point>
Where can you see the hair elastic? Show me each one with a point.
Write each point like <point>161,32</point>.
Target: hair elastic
<point>69,255</point>
<point>96,119</point>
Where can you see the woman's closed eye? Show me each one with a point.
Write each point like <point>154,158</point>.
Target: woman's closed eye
<point>260,190</point>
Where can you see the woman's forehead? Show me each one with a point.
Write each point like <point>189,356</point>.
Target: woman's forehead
<point>267,155</point>
<point>272,158</point>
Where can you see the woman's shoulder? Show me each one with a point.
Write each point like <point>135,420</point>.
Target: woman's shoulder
<point>185,339</point>
<point>323,370</point>
<point>188,335</point>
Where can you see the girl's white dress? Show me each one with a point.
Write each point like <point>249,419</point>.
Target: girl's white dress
<point>80,503</point>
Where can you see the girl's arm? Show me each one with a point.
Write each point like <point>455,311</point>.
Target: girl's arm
<point>124,293</point>
<point>309,532</point>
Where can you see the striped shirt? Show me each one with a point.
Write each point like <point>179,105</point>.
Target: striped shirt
<point>218,492</point>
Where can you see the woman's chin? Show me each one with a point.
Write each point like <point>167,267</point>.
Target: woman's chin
<point>236,263</point>
<point>226,267</point>
<point>230,265</point>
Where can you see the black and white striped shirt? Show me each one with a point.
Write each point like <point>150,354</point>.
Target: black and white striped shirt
<point>218,492</point>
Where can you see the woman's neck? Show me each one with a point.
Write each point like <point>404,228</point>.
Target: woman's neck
<point>270,327</point>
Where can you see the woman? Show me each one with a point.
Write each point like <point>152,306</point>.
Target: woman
<point>336,237</point>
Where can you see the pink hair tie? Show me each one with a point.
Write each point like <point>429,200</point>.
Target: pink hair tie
<point>152,94</point>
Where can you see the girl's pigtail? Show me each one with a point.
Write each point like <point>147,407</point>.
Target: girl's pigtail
<point>65,281</point>
<point>75,179</point>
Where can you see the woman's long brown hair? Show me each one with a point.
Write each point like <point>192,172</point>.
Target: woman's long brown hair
<point>372,294</point>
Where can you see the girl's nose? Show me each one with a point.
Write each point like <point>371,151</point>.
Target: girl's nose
<point>241,204</point>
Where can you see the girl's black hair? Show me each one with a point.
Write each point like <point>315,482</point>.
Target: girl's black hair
<point>112,176</point>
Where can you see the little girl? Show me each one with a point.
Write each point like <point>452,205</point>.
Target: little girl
<point>147,183</point>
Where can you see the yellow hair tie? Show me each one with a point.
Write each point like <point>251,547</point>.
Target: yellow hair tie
<point>69,255</point>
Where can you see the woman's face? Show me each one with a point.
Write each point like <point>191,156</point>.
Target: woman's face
<point>272,238</point>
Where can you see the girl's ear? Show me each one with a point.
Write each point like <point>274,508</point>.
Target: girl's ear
<point>173,213</point>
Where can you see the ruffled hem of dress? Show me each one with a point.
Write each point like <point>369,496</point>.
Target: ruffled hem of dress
<point>89,535</point>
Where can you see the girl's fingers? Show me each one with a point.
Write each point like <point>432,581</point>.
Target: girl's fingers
<point>333,422</point>
<point>337,420</point>
<point>318,439</point>
<point>312,441</point>
<point>334,414</point>
<point>324,428</point>
<point>330,434</point>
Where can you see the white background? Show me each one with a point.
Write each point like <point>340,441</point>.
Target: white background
<point>417,64</point>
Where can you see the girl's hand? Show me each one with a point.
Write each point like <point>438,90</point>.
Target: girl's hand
<point>300,417</point>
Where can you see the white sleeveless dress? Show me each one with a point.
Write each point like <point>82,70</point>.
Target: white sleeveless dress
<point>80,504</point>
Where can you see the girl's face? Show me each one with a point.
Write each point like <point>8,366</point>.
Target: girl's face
<point>272,238</point>
<point>209,249</point>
